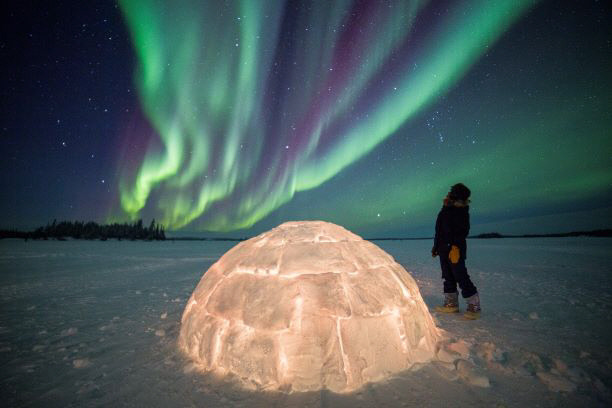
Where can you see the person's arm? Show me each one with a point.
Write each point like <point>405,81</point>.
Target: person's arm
<point>434,249</point>
<point>460,227</point>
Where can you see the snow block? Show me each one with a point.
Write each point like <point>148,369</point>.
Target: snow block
<point>307,306</point>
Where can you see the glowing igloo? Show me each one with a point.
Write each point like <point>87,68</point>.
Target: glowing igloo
<point>305,306</point>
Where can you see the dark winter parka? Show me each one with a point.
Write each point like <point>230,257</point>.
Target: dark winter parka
<point>452,228</point>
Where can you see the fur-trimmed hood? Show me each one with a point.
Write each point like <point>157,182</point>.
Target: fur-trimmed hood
<point>460,203</point>
<point>456,203</point>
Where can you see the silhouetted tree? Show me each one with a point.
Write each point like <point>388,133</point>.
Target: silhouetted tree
<point>90,230</point>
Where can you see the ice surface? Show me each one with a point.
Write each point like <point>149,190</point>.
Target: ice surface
<point>307,306</point>
<point>113,294</point>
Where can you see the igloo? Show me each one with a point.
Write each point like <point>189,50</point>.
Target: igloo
<point>305,306</point>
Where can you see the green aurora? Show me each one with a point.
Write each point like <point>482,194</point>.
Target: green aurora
<point>208,83</point>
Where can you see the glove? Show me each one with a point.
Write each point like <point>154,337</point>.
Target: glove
<point>454,254</point>
<point>434,252</point>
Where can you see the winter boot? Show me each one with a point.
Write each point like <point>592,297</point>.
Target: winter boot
<point>473,307</point>
<point>451,304</point>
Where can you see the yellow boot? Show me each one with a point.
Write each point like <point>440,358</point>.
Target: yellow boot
<point>473,308</point>
<point>451,304</point>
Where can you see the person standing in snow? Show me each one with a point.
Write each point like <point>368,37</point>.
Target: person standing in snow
<point>452,228</point>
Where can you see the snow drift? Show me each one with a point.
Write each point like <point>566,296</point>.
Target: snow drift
<point>306,306</point>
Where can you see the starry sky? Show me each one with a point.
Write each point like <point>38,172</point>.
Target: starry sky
<point>230,117</point>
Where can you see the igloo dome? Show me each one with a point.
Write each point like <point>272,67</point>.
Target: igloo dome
<point>305,306</point>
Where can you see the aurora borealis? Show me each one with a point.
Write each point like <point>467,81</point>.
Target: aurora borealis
<point>239,115</point>
<point>280,100</point>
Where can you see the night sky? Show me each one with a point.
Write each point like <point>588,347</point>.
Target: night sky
<point>230,117</point>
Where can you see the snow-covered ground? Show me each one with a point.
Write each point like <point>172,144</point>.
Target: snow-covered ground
<point>96,324</point>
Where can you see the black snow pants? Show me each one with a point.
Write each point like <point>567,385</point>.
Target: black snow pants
<point>454,274</point>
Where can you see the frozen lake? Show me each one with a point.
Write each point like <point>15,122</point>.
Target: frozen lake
<point>96,324</point>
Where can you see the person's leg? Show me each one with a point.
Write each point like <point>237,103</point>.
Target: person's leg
<point>451,299</point>
<point>450,283</point>
<point>468,290</point>
<point>461,276</point>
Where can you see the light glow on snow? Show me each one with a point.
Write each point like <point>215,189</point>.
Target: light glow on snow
<point>335,316</point>
<point>345,361</point>
<point>561,356</point>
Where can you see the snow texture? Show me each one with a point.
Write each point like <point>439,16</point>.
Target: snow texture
<point>78,323</point>
<point>305,306</point>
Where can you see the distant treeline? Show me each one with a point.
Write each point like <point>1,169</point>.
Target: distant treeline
<point>91,230</point>
<point>136,230</point>
<point>594,233</point>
